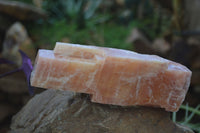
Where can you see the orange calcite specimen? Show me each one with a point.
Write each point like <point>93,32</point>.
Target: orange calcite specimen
<point>112,76</point>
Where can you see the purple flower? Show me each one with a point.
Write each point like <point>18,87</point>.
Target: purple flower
<point>26,67</point>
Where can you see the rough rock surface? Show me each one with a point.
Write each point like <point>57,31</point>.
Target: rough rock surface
<point>62,111</point>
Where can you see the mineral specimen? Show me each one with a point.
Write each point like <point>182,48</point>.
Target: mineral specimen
<point>112,76</point>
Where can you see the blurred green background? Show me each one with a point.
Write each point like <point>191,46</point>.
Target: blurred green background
<point>96,22</point>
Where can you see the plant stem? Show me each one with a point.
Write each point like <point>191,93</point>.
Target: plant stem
<point>174,116</point>
<point>195,110</point>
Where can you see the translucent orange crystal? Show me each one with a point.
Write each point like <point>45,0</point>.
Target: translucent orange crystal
<point>112,76</point>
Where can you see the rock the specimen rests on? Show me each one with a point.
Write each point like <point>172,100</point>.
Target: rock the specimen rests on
<point>55,111</point>
<point>112,76</point>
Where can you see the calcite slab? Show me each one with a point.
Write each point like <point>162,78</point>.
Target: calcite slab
<point>112,76</point>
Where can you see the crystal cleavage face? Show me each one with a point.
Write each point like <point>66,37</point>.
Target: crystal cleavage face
<point>112,76</point>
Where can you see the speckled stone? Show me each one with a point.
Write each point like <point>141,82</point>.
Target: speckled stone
<point>64,112</point>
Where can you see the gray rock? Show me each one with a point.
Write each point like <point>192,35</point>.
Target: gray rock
<point>143,45</point>
<point>56,111</point>
<point>15,36</point>
<point>161,46</point>
<point>21,10</point>
<point>137,35</point>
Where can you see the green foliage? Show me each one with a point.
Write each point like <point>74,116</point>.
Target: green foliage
<point>25,1</point>
<point>83,14</point>
<point>108,35</point>
<point>79,21</point>
<point>153,26</point>
<point>188,117</point>
<point>115,35</point>
<point>77,11</point>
